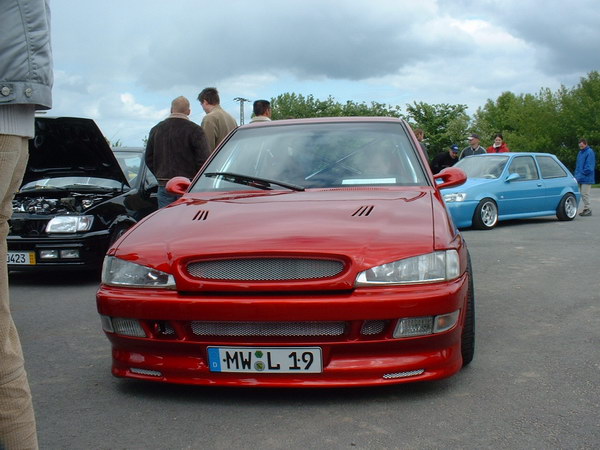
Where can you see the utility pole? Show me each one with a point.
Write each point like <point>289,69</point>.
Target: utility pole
<point>241,100</point>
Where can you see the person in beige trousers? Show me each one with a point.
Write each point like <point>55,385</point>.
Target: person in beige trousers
<point>25,86</point>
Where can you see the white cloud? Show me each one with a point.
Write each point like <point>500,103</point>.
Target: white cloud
<point>124,63</point>
<point>132,108</point>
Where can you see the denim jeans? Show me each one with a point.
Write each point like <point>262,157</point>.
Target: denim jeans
<point>165,198</point>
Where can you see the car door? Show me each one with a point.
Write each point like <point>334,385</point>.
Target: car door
<point>525,194</point>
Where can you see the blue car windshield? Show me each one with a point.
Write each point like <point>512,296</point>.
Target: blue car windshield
<point>483,166</point>
<point>314,155</point>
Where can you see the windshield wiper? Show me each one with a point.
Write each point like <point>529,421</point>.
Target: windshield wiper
<point>246,180</point>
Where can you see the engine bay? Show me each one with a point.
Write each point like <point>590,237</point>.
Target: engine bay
<point>46,205</point>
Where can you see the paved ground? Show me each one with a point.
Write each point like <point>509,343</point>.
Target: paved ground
<point>533,383</point>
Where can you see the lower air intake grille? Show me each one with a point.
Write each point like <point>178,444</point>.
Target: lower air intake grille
<point>265,269</point>
<point>260,329</point>
<point>372,327</point>
<point>412,373</point>
<point>150,373</point>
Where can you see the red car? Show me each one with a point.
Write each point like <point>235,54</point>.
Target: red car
<point>305,253</point>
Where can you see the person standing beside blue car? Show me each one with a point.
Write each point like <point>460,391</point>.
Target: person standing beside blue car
<point>585,174</point>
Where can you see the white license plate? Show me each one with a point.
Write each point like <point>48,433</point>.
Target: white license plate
<point>265,359</point>
<point>21,258</point>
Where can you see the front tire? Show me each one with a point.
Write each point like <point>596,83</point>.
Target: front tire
<point>118,231</point>
<point>567,208</point>
<point>486,215</point>
<point>467,342</point>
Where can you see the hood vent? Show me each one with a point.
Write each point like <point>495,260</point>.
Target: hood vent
<point>363,211</point>
<point>201,215</point>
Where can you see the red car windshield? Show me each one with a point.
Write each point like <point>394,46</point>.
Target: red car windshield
<point>314,155</point>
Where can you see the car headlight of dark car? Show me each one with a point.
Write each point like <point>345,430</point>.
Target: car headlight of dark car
<point>69,224</point>
<point>118,272</point>
<point>428,268</point>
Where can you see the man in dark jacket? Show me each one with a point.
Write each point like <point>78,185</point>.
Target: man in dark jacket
<point>176,147</point>
<point>445,159</point>
<point>474,148</point>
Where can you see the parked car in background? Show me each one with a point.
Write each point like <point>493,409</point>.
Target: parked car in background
<point>141,199</point>
<point>77,197</point>
<point>511,186</point>
<point>313,252</point>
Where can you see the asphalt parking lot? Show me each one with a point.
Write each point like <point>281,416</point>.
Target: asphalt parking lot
<point>532,384</point>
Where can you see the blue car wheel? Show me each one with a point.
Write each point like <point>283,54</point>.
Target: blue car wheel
<point>486,215</point>
<point>567,208</point>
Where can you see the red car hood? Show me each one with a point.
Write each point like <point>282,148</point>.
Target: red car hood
<point>366,227</point>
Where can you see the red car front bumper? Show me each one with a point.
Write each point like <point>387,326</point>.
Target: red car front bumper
<point>172,351</point>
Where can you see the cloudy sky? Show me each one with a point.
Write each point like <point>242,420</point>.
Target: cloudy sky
<point>122,62</point>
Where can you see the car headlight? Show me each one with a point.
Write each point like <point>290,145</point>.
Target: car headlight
<point>456,197</point>
<point>69,224</point>
<point>429,268</point>
<point>118,272</point>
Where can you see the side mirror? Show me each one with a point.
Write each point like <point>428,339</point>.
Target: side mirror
<point>450,177</point>
<point>178,185</point>
<point>513,176</point>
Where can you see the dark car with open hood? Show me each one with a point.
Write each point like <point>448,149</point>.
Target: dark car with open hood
<point>77,197</point>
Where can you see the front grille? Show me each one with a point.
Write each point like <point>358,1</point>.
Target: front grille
<point>28,228</point>
<point>268,329</point>
<point>265,269</point>
<point>253,332</point>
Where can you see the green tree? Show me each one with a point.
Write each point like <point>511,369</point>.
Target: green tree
<point>527,122</point>
<point>297,106</point>
<point>547,121</point>
<point>581,110</point>
<point>580,117</point>
<point>443,124</point>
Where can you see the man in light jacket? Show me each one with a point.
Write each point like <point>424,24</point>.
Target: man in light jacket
<point>25,86</point>
<point>261,110</point>
<point>217,123</point>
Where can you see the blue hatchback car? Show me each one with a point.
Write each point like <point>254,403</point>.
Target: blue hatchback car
<point>503,186</point>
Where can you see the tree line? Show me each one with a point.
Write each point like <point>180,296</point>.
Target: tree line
<point>549,121</point>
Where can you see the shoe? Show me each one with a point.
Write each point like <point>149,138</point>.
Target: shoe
<point>586,212</point>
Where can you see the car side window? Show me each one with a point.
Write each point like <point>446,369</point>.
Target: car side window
<point>525,167</point>
<point>550,168</point>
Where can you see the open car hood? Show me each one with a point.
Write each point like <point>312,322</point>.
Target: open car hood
<point>70,146</point>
